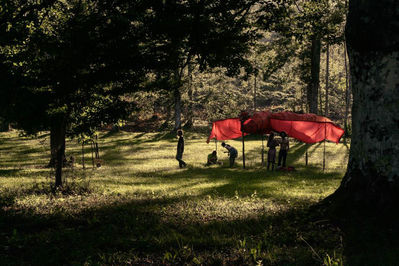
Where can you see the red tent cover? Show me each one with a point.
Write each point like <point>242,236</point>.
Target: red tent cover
<point>309,128</point>
<point>259,123</point>
<point>226,129</point>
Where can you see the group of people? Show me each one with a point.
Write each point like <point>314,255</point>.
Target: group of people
<point>272,143</point>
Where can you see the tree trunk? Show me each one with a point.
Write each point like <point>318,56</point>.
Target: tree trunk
<point>327,79</point>
<point>177,98</point>
<point>168,116</point>
<point>255,91</point>
<point>313,87</point>
<point>4,125</point>
<point>346,94</point>
<point>57,140</point>
<point>372,177</point>
<point>190,113</point>
<point>54,139</point>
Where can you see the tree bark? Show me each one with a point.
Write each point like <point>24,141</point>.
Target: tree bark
<point>372,177</point>
<point>4,126</point>
<point>177,98</point>
<point>54,139</point>
<point>313,87</point>
<point>327,79</point>
<point>57,139</point>
<point>190,112</point>
<point>255,91</point>
<point>346,94</point>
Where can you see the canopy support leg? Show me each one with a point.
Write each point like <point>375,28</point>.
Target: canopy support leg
<point>324,149</point>
<point>83,154</point>
<point>324,156</point>
<point>306,154</point>
<point>263,153</point>
<point>243,151</point>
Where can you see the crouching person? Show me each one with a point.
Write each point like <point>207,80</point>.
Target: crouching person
<point>212,159</point>
<point>232,152</point>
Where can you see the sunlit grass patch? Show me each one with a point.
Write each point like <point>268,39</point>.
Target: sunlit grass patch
<point>140,207</point>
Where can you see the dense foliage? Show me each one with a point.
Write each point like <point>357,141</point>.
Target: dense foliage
<point>279,75</point>
<point>73,62</point>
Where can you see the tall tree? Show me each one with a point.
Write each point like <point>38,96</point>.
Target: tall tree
<point>313,86</point>
<point>16,17</point>
<point>327,79</point>
<point>302,26</point>
<point>79,58</point>
<point>197,34</point>
<point>372,35</point>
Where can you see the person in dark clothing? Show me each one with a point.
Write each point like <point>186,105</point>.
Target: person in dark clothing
<point>180,149</point>
<point>272,143</point>
<point>232,153</point>
<point>284,147</point>
<point>212,158</point>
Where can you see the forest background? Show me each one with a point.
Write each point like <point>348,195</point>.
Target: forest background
<point>294,59</point>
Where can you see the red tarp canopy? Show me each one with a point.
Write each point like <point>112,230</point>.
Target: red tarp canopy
<point>258,123</point>
<point>309,128</point>
<point>226,129</point>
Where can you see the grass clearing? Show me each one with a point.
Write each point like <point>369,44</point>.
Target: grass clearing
<point>140,208</point>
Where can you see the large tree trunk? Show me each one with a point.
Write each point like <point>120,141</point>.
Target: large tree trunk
<point>4,126</point>
<point>327,79</point>
<point>54,139</point>
<point>57,140</point>
<point>190,112</point>
<point>177,98</point>
<point>347,94</point>
<point>372,177</point>
<point>313,87</point>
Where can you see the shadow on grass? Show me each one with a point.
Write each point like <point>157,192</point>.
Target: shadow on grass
<point>8,172</point>
<point>369,242</point>
<point>139,137</point>
<point>129,230</point>
<point>134,231</point>
<point>229,182</point>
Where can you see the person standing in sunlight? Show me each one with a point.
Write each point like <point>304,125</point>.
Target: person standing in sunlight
<point>180,149</point>
<point>272,143</point>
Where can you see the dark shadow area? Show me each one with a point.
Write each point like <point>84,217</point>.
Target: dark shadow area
<point>134,232</point>
<point>9,172</point>
<point>371,230</point>
<point>43,135</point>
<point>368,241</point>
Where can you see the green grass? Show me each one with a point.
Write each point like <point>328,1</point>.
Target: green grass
<point>140,208</point>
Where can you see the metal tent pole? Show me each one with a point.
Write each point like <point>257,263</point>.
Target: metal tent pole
<point>83,154</point>
<point>243,150</point>
<point>263,152</point>
<point>324,150</point>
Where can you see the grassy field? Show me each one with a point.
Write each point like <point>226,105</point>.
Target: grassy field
<point>140,208</point>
